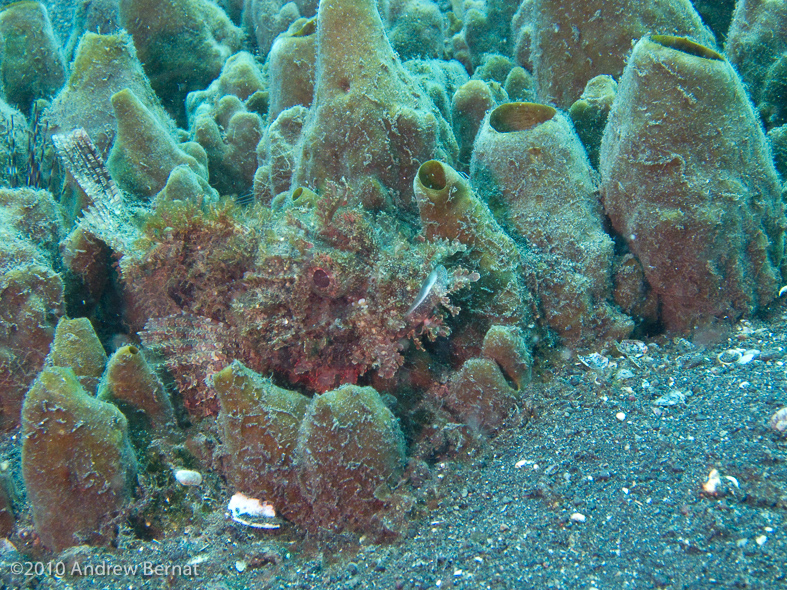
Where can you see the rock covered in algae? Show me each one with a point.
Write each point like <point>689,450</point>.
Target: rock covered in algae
<point>566,43</point>
<point>130,383</point>
<point>144,152</point>
<point>259,424</point>
<point>31,292</point>
<point>690,185</point>
<point>103,65</point>
<point>369,122</point>
<point>77,347</point>
<point>31,61</point>
<point>531,168</point>
<point>350,455</point>
<point>182,45</point>
<point>77,462</point>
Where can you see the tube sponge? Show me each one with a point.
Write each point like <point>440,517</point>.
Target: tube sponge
<point>31,62</point>
<point>350,454</point>
<point>449,210</point>
<point>129,382</point>
<point>479,394</point>
<point>370,122</point>
<point>182,45</point>
<point>689,183</point>
<point>144,153</point>
<point>77,462</point>
<point>259,424</point>
<point>77,347</point>
<point>566,43</point>
<point>531,168</point>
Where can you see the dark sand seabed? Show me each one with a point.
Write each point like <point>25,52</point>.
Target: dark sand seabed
<point>510,517</point>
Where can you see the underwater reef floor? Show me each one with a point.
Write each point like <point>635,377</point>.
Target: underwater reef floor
<point>670,478</point>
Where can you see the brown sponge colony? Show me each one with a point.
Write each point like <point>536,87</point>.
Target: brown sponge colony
<point>326,463</point>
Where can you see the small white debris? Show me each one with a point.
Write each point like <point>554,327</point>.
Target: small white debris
<point>748,356</point>
<point>620,416</point>
<point>458,573</point>
<point>761,540</point>
<point>520,464</point>
<point>187,477</point>
<point>578,517</point>
<point>673,398</point>
<point>198,559</point>
<point>242,506</point>
<point>240,566</point>
<point>730,356</point>
<point>782,291</point>
<point>594,361</point>
<point>779,420</point>
<point>732,480</point>
<point>632,348</point>
<point>712,485</point>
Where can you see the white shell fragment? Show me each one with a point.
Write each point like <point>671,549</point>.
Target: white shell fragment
<point>782,291</point>
<point>712,485</point>
<point>632,348</point>
<point>673,398</point>
<point>578,517</point>
<point>738,356</point>
<point>246,510</point>
<point>779,420</point>
<point>187,477</point>
<point>594,361</point>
